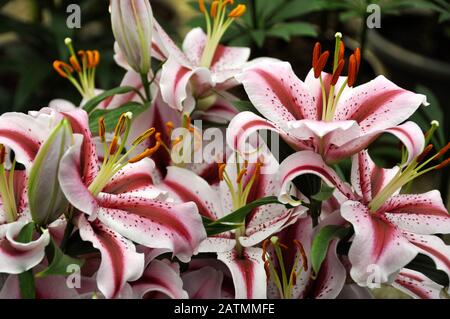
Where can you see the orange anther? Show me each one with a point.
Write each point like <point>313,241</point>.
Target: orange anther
<point>62,68</point>
<point>74,62</point>
<point>201,6</point>
<point>238,11</point>
<point>141,138</point>
<point>114,145</point>
<point>352,70</point>
<point>90,59</point>
<point>222,167</point>
<point>120,125</point>
<point>241,175</point>
<point>357,54</point>
<point>214,6</point>
<point>102,129</point>
<point>341,51</point>
<point>96,57</point>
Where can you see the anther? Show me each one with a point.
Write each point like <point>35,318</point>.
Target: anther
<point>169,127</point>
<point>214,6</point>
<point>302,253</point>
<point>444,164</point>
<point>222,167</point>
<point>101,129</point>
<point>337,72</point>
<point>321,64</point>
<point>357,54</point>
<point>149,151</point>
<point>201,6</point>
<point>114,145</point>
<point>341,51</point>
<point>62,68</point>
<point>141,138</point>
<point>264,248</point>
<point>238,11</point>
<point>74,62</point>
<point>96,55</point>
<point>424,154</point>
<point>352,69</point>
<point>120,125</point>
<point>2,154</point>
<point>443,151</point>
<point>316,54</point>
<point>241,175</point>
<point>90,59</point>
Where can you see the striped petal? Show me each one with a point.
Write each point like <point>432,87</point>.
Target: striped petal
<point>160,279</point>
<point>247,271</point>
<point>307,162</point>
<point>378,105</point>
<point>153,223</point>
<point>379,248</point>
<point>17,257</point>
<point>433,247</point>
<point>120,261</point>
<point>176,87</point>
<point>368,179</point>
<point>277,92</point>
<point>417,285</point>
<point>422,214</point>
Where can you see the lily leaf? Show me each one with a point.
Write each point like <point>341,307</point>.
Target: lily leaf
<point>90,105</point>
<point>46,199</point>
<point>325,193</point>
<point>26,279</point>
<point>237,218</point>
<point>321,242</point>
<point>59,263</point>
<point>112,116</point>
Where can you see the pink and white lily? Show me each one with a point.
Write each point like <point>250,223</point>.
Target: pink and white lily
<point>119,205</point>
<point>325,113</point>
<point>191,76</point>
<point>390,228</point>
<point>238,249</point>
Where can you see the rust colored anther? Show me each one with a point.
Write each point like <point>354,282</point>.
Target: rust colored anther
<point>316,54</point>
<point>424,154</point>
<point>444,164</point>
<point>321,64</point>
<point>357,54</point>
<point>241,175</point>
<point>2,154</point>
<point>443,151</point>
<point>352,69</point>
<point>102,129</point>
<point>341,51</point>
<point>74,62</point>
<point>337,73</point>
<point>114,145</point>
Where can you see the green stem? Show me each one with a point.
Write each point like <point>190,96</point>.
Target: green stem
<point>146,86</point>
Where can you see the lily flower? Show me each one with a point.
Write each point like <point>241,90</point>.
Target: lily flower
<point>191,76</point>
<point>390,228</point>
<point>240,184</point>
<point>325,113</point>
<point>120,205</point>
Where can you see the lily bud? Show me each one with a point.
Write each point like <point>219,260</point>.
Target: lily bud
<point>132,24</point>
<point>45,197</point>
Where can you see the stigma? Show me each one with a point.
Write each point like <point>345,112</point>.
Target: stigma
<point>80,69</point>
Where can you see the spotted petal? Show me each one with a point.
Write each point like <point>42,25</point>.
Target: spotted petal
<point>417,285</point>
<point>120,261</point>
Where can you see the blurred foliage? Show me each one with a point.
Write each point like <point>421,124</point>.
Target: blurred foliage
<point>268,19</point>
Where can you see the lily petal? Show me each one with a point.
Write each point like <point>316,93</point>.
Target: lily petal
<point>307,162</point>
<point>422,214</point>
<point>417,285</point>
<point>248,272</point>
<point>16,257</point>
<point>378,249</point>
<point>120,261</point>
<point>378,105</point>
<point>154,223</point>
<point>277,92</point>
<point>204,283</point>
<point>160,278</point>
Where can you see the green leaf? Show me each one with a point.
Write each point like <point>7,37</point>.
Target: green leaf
<point>259,36</point>
<point>92,103</point>
<point>321,242</point>
<point>59,263</point>
<point>288,30</point>
<point>244,106</point>
<point>112,116</point>
<point>325,193</point>
<point>45,197</point>
<point>26,279</point>
<point>235,219</point>
<point>295,9</point>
